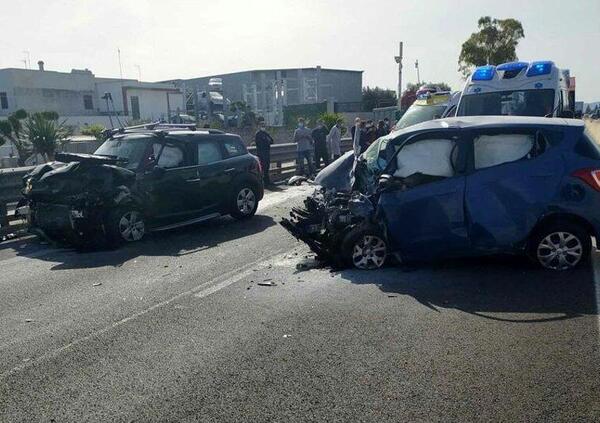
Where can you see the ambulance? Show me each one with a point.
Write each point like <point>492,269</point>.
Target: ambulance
<point>519,89</point>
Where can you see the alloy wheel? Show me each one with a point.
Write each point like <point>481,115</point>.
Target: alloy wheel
<point>131,226</point>
<point>369,252</point>
<point>560,251</point>
<point>246,201</point>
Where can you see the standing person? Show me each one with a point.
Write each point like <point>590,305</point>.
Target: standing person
<point>335,139</point>
<point>358,136</point>
<point>386,125</point>
<point>263,141</point>
<point>319,136</point>
<point>304,141</point>
<point>381,131</point>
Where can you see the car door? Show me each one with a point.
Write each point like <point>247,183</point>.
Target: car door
<point>514,174</point>
<point>169,186</point>
<point>209,178</point>
<point>423,210</point>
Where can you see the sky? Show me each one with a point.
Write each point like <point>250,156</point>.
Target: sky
<point>172,39</point>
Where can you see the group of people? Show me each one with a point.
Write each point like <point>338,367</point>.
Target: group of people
<point>321,143</point>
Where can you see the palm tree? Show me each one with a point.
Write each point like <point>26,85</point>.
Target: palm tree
<point>45,133</point>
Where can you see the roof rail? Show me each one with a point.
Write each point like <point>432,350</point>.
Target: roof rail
<point>154,126</point>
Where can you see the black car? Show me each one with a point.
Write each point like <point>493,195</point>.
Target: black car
<point>143,179</point>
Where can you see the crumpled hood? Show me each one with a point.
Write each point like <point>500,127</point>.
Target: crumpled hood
<point>337,174</point>
<point>58,182</point>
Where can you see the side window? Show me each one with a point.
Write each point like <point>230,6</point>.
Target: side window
<point>3,100</point>
<point>208,152</point>
<point>234,147</point>
<point>171,156</point>
<point>429,157</point>
<point>493,150</point>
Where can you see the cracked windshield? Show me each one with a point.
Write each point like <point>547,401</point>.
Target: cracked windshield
<point>268,211</point>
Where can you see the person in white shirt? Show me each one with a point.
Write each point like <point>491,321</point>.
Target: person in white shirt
<point>335,138</point>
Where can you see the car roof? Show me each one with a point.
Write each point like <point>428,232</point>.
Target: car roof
<point>176,134</point>
<point>464,122</point>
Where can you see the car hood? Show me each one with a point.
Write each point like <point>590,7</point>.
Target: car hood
<point>338,174</point>
<point>58,181</point>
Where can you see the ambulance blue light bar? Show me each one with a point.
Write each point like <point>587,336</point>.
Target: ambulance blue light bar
<point>540,68</point>
<point>513,66</point>
<point>484,73</point>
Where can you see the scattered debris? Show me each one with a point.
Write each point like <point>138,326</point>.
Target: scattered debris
<point>28,320</point>
<point>97,284</point>
<point>287,336</point>
<point>297,180</point>
<point>267,283</point>
<point>392,296</point>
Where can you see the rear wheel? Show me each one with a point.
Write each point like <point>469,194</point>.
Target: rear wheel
<point>244,201</point>
<point>364,248</point>
<point>561,246</point>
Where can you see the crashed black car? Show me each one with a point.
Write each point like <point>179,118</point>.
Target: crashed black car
<point>458,187</point>
<point>144,179</point>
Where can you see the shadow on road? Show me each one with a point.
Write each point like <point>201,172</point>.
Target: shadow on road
<point>490,285</point>
<point>175,243</point>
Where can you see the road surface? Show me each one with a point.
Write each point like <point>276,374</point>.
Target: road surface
<point>180,328</point>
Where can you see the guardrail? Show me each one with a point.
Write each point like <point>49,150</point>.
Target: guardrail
<point>283,165</point>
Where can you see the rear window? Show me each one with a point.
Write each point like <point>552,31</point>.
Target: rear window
<point>234,147</point>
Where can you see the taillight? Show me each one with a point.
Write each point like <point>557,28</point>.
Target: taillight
<point>589,176</point>
<point>259,165</point>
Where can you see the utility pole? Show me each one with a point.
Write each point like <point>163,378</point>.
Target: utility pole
<point>399,61</point>
<point>139,69</point>
<point>418,76</point>
<point>28,58</point>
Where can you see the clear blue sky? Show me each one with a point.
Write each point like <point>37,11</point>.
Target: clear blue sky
<point>179,39</point>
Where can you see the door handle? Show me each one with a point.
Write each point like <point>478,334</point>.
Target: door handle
<point>193,180</point>
<point>230,170</point>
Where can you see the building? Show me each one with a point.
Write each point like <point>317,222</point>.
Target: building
<point>268,91</point>
<point>80,97</point>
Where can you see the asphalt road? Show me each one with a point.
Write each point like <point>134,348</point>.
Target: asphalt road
<point>177,329</point>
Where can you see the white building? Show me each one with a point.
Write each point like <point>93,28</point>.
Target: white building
<point>79,96</point>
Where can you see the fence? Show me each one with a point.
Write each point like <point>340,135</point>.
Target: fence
<point>283,165</point>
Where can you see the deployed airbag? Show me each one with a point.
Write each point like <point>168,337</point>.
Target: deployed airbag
<point>429,157</point>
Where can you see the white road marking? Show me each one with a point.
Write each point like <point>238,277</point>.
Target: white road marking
<point>200,291</point>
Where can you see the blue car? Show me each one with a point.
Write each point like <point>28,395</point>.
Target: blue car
<point>458,187</point>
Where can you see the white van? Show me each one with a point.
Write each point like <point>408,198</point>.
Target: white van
<point>518,89</point>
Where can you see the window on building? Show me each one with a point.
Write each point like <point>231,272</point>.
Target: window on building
<point>135,107</point>
<point>88,104</point>
<point>3,101</point>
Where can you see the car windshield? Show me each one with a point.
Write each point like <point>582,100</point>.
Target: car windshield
<point>420,113</point>
<point>508,103</point>
<point>130,149</point>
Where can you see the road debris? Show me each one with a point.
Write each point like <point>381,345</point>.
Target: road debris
<point>97,284</point>
<point>267,283</point>
<point>28,320</point>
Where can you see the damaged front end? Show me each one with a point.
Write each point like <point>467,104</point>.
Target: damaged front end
<point>69,201</point>
<point>344,201</point>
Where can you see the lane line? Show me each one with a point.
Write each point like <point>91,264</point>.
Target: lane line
<point>202,290</point>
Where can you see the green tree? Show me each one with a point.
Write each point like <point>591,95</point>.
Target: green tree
<point>494,43</point>
<point>45,133</point>
<point>95,130</point>
<point>378,97</point>
<point>11,130</point>
<point>330,119</point>
<point>415,87</point>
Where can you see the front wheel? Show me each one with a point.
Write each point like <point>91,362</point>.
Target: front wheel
<point>364,248</point>
<point>126,224</point>
<point>244,201</point>
<point>560,246</point>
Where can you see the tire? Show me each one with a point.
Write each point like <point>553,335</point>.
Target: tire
<point>244,201</point>
<point>364,248</point>
<point>560,246</point>
<point>125,224</point>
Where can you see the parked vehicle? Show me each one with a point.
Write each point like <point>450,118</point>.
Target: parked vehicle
<point>429,105</point>
<point>466,186</point>
<point>519,89</point>
<point>148,178</point>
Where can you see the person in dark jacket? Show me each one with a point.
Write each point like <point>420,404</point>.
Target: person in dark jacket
<point>263,150</point>
<point>319,136</point>
<point>381,129</point>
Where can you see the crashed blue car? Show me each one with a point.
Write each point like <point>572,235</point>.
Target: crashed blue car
<point>459,187</point>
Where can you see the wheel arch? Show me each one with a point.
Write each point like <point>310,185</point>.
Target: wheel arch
<point>561,217</point>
